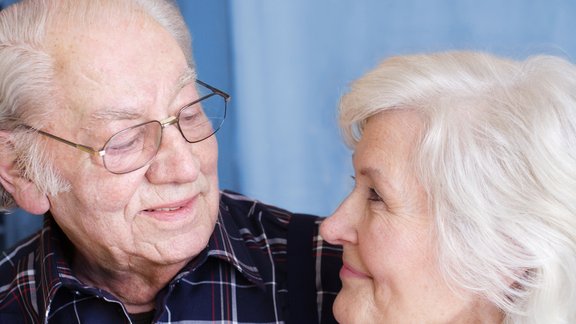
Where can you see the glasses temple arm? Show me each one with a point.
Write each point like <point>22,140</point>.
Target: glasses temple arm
<point>81,147</point>
<point>215,90</point>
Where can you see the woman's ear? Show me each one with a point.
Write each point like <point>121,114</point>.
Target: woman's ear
<point>25,192</point>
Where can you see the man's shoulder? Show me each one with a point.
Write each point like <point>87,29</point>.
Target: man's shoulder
<point>17,269</point>
<point>307,267</point>
<point>25,251</point>
<point>247,206</point>
<point>250,212</point>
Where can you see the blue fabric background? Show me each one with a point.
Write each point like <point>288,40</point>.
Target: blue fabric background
<point>287,62</point>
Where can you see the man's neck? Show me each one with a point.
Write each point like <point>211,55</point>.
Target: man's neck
<point>136,285</point>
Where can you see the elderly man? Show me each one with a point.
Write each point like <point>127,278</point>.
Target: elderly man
<point>105,129</point>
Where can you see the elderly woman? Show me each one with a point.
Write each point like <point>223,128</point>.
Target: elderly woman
<point>464,207</point>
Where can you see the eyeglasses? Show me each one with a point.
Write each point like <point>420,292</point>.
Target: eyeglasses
<point>132,148</point>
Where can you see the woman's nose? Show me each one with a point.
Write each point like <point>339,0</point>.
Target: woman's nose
<point>340,227</point>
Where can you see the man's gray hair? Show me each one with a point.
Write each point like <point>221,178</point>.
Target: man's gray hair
<point>497,158</point>
<point>28,93</point>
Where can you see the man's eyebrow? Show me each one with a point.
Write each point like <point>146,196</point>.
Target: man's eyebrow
<point>114,114</point>
<point>186,77</point>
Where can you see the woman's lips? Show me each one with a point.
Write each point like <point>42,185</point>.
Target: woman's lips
<point>349,272</point>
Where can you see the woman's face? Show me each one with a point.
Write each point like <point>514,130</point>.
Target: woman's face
<point>390,270</point>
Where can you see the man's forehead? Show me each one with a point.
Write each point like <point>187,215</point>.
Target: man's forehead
<point>128,112</point>
<point>110,76</point>
<point>74,15</point>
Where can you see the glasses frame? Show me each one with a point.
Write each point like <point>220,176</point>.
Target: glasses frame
<point>171,120</point>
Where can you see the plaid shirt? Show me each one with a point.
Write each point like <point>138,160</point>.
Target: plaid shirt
<point>247,274</point>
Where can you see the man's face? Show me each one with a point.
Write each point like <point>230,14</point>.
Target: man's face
<point>162,213</point>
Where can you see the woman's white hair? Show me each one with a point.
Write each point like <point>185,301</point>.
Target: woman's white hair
<point>28,92</point>
<point>497,158</point>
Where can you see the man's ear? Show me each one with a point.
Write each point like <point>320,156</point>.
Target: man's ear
<point>25,192</point>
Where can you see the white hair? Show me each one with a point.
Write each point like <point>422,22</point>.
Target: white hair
<point>28,93</point>
<point>497,158</point>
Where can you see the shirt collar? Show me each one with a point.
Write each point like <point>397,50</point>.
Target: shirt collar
<point>228,243</point>
<point>54,270</point>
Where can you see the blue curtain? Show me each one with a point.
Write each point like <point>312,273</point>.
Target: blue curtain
<point>287,62</point>
<point>291,60</point>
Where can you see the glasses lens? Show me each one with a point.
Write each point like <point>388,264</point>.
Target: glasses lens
<point>202,119</point>
<point>132,148</point>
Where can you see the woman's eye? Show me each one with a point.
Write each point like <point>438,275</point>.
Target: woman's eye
<point>374,196</point>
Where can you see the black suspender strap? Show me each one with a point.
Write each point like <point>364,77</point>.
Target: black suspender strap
<point>302,303</point>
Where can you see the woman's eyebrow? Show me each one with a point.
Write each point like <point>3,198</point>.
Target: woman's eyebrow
<point>378,175</point>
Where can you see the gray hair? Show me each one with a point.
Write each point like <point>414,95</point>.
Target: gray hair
<point>28,94</point>
<point>497,158</point>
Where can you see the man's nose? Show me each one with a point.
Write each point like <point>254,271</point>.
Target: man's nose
<point>176,160</point>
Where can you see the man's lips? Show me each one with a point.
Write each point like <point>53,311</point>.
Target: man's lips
<point>171,211</point>
<point>162,209</point>
<point>348,271</point>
